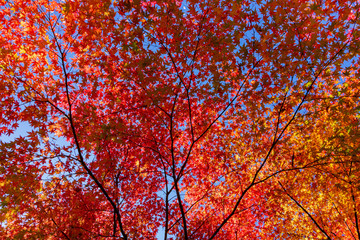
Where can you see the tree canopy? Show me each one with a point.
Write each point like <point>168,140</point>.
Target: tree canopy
<point>216,119</point>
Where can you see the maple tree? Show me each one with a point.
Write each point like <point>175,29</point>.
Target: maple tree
<point>186,119</point>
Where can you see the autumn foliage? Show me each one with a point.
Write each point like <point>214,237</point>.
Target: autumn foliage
<point>177,119</point>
